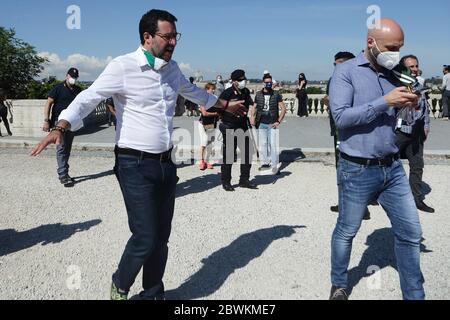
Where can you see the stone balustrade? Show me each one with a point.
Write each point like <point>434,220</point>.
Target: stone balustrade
<point>29,115</point>
<point>317,107</point>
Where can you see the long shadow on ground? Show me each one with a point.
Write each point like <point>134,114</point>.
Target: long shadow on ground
<point>224,262</point>
<point>12,241</point>
<point>380,253</point>
<point>93,176</point>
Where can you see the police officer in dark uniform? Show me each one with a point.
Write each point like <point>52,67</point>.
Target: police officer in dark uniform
<point>59,98</point>
<point>230,127</point>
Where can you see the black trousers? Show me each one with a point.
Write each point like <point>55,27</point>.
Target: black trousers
<point>229,132</point>
<point>446,104</point>
<point>302,103</point>
<point>4,117</point>
<point>411,148</point>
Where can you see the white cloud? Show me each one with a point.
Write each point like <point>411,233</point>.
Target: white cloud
<point>89,67</point>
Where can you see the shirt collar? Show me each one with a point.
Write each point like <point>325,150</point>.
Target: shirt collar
<point>142,60</point>
<point>361,59</point>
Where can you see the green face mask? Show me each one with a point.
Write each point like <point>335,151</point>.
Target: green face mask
<point>150,58</point>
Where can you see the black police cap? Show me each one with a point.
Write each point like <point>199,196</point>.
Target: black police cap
<point>73,72</point>
<point>238,75</point>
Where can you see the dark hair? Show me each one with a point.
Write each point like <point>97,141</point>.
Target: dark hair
<point>447,68</point>
<point>409,56</point>
<point>344,55</point>
<point>191,79</point>
<point>267,76</point>
<point>149,22</point>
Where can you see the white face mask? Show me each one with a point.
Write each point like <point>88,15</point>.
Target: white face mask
<point>387,59</point>
<point>72,81</point>
<point>242,84</point>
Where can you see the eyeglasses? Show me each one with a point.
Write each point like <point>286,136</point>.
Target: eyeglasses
<point>170,36</point>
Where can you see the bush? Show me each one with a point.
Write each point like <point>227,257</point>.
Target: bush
<point>314,90</point>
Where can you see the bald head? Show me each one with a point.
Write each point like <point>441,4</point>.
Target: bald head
<point>387,36</point>
<point>388,30</point>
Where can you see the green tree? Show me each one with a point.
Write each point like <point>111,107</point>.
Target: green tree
<point>19,64</point>
<point>41,89</point>
<point>314,90</point>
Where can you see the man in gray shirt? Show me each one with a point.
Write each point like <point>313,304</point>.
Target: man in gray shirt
<point>220,87</point>
<point>364,95</point>
<point>413,127</point>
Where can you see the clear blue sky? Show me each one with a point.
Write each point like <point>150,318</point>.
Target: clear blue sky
<point>285,37</point>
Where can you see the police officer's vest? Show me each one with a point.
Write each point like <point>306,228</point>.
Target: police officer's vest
<point>273,106</point>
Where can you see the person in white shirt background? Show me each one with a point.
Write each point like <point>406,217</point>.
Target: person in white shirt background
<point>144,85</point>
<point>446,92</point>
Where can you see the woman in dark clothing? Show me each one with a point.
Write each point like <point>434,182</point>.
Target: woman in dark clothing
<point>4,107</point>
<point>302,96</point>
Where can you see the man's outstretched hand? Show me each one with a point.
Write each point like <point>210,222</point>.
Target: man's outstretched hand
<point>53,138</point>
<point>235,107</point>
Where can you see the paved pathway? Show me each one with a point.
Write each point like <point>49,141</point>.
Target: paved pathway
<point>58,243</point>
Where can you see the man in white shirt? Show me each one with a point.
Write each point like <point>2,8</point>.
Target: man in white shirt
<point>446,92</point>
<point>145,85</point>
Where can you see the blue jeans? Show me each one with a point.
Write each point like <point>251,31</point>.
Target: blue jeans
<point>358,185</point>
<point>63,151</point>
<point>268,145</point>
<point>148,187</point>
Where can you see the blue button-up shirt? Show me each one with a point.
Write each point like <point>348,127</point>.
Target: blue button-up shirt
<point>366,123</point>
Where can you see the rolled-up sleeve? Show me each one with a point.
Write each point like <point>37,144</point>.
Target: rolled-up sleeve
<point>193,93</point>
<point>346,114</point>
<point>109,83</point>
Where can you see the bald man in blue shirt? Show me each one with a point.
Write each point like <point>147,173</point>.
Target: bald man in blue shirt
<point>364,97</point>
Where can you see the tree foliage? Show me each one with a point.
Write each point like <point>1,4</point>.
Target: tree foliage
<point>19,64</point>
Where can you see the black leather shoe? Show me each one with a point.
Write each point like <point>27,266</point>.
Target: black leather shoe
<point>423,207</point>
<point>228,187</point>
<point>67,181</point>
<point>334,209</point>
<point>247,185</point>
<point>338,294</point>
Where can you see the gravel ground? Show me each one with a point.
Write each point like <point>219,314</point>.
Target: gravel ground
<point>271,243</point>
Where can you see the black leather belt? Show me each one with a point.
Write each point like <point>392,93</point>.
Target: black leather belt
<point>383,162</point>
<point>163,157</point>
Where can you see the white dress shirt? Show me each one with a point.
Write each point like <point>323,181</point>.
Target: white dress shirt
<point>144,99</point>
<point>446,82</point>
